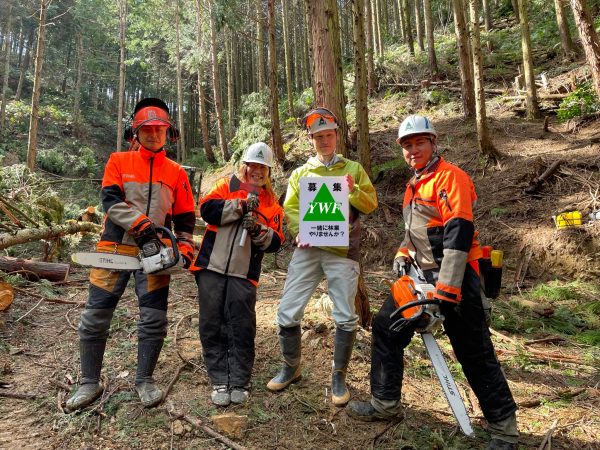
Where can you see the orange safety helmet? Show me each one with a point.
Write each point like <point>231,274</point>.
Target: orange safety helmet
<point>150,111</point>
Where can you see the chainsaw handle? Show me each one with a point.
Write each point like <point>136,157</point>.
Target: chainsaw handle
<point>173,240</point>
<point>432,301</point>
<point>402,322</point>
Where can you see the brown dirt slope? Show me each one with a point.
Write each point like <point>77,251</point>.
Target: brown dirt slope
<point>554,382</point>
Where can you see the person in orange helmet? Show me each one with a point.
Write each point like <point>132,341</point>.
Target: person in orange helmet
<point>140,189</point>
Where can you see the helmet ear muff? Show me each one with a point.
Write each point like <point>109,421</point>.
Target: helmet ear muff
<point>173,133</point>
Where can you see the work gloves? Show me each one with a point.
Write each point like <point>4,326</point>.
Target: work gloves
<point>251,203</point>
<point>401,266</point>
<point>251,223</point>
<point>145,232</point>
<point>430,319</point>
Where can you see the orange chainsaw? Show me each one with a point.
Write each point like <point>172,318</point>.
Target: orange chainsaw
<point>417,307</point>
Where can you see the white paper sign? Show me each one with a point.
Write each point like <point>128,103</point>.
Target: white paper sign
<point>324,211</point>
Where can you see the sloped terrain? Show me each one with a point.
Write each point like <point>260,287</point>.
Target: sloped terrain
<point>555,382</point>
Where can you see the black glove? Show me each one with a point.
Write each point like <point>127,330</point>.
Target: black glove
<point>252,202</point>
<point>250,223</point>
<point>144,233</point>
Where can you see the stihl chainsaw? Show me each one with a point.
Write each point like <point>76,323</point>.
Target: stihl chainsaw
<point>154,257</point>
<point>417,306</point>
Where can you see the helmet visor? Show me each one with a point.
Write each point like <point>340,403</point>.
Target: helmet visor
<point>318,120</point>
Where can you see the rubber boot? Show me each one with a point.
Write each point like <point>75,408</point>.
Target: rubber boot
<point>290,343</point>
<point>148,352</point>
<point>342,351</point>
<point>91,354</point>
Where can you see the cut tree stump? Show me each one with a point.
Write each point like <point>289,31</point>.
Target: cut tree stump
<point>35,270</point>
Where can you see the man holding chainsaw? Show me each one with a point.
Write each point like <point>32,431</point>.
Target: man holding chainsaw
<point>141,190</point>
<point>441,242</point>
<point>309,264</point>
<point>244,222</point>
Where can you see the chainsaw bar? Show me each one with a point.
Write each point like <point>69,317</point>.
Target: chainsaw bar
<point>111,261</point>
<point>448,385</point>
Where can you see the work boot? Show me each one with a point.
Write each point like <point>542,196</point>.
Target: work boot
<point>240,394</point>
<point>342,351</point>
<point>148,352</point>
<point>220,395</point>
<point>290,343</point>
<point>91,354</point>
<point>367,413</point>
<point>498,444</point>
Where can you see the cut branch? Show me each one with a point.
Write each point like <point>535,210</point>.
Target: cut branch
<point>36,234</point>
<point>197,423</point>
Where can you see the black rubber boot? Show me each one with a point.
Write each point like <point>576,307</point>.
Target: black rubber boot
<point>91,354</point>
<point>148,352</point>
<point>290,343</point>
<point>342,351</point>
<point>367,413</point>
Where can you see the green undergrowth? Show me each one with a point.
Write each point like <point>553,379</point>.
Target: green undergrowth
<point>576,312</point>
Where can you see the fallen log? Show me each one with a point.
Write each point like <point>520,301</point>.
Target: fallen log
<point>539,96</point>
<point>36,234</point>
<point>542,309</point>
<point>35,270</point>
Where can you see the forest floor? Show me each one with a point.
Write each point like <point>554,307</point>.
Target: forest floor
<point>556,382</point>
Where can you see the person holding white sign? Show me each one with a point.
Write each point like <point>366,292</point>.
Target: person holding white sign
<point>311,262</point>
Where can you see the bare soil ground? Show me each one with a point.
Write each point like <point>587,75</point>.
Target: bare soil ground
<point>558,395</point>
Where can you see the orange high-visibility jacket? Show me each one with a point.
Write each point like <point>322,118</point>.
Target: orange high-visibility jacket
<point>223,209</point>
<point>440,235</point>
<point>139,185</point>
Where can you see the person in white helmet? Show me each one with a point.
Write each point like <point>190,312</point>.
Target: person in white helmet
<point>339,265</point>
<point>440,238</point>
<point>228,267</point>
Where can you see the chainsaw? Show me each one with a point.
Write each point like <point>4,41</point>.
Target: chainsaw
<point>417,306</point>
<point>154,256</point>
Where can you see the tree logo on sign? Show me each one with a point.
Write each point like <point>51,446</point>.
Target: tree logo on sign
<point>324,208</point>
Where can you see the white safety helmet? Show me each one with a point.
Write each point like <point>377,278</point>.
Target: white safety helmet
<point>259,153</point>
<point>415,124</point>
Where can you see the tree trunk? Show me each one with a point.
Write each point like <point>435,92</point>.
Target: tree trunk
<point>515,8</point>
<point>370,62</point>
<point>217,85</point>
<point>78,76</point>
<point>465,61</point>
<point>377,28</point>
<point>37,85</point>
<point>288,57</point>
<point>419,24</point>
<point>35,270</point>
<point>25,64</point>
<point>182,154</point>
<point>35,234</point>
<point>433,68</point>
<point>7,32</point>
<point>230,83</point>
<point>210,156</point>
<point>260,46</point>
<point>310,47</point>
<point>533,108</point>
<point>360,85</point>
<point>486,147</point>
<point>328,77</point>
<point>121,93</point>
<point>487,15</point>
<point>563,27</point>
<point>401,19</point>
<point>589,39</point>
<point>408,27</point>
<point>275,128</point>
